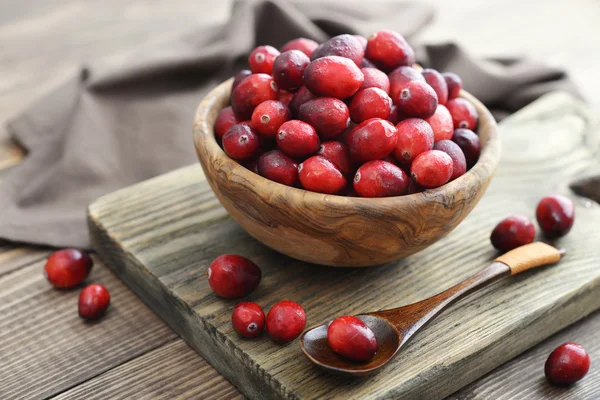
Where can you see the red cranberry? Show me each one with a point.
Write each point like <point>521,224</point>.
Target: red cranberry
<point>372,140</point>
<point>240,76</point>
<point>380,178</point>
<point>555,215</point>
<point>417,99</point>
<point>278,167</point>
<point>251,165</point>
<point>286,321</point>
<point>67,268</point>
<point>512,232</point>
<point>365,63</point>
<point>345,45</point>
<point>288,69</point>
<point>333,76</point>
<point>297,139</point>
<point>464,114</point>
<point>415,136</point>
<point>251,92</point>
<point>300,97</point>
<point>225,120</point>
<point>307,46</point>
<point>459,163</point>
<point>375,78</point>
<point>285,97</point>
<point>388,50</point>
<point>268,116</point>
<point>328,115</point>
<point>438,83</point>
<point>241,142</point>
<point>469,143</point>
<point>261,59</point>
<point>370,103</point>
<point>351,338</point>
<point>394,118</point>
<point>431,169</point>
<point>441,123</point>
<point>337,153</point>
<point>233,276</point>
<point>93,301</point>
<point>454,84</point>
<point>318,174</point>
<point>567,364</point>
<point>248,319</point>
<point>400,77</point>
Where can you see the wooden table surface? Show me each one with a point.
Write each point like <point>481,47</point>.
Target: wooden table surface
<point>46,351</point>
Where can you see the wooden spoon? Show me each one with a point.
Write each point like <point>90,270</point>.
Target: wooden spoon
<point>394,327</point>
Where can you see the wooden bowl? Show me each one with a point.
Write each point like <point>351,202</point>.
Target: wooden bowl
<point>335,230</point>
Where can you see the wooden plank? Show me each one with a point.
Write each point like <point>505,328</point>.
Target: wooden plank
<point>159,237</point>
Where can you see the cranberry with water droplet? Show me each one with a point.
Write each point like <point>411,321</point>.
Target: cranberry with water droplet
<point>248,319</point>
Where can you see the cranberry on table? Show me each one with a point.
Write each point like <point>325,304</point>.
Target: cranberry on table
<point>286,321</point>
<point>459,163</point>
<point>345,45</point>
<point>288,69</point>
<point>233,276</point>
<point>248,319</point>
<point>567,364</point>
<point>307,46</point>
<point>512,232</point>
<point>261,59</point>
<point>297,139</point>
<point>380,178</point>
<point>352,338</point>
<point>438,83</point>
<point>555,215</point>
<point>388,50</point>
<point>400,77</point>
<point>93,301</point>
<point>252,91</point>
<point>225,120</point>
<point>417,99</point>
<point>300,97</point>
<point>318,174</point>
<point>372,140</point>
<point>370,103</point>
<point>278,167</point>
<point>333,76</point>
<point>415,136</point>
<point>464,114</point>
<point>268,116</point>
<point>241,142</point>
<point>441,123</point>
<point>431,169</point>
<point>337,153</point>
<point>454,84</point>
<point>375,78</point>
<point>328,115</point>
<point>240,76</point>
<point>469,143</point>
<point>285,97</point>
<point>67,268</point>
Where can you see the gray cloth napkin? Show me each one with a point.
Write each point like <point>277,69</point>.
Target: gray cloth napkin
<point>119,123</point>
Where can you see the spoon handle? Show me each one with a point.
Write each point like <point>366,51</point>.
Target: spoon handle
<point>530,256</point>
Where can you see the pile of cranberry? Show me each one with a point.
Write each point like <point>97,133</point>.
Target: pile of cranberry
<point>351,109</point>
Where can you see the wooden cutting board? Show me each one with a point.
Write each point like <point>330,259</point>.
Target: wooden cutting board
<point>159,237</point>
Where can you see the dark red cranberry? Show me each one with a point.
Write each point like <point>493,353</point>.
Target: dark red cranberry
<point>328,115</point>
<point>261,59</point>
<point>337,153</point>
<point>333,76</point>
<point>372,140</point>
<point>441,123</point>
<point>251,165</point>
<point>241,142</point>
<point>225,120</point>
<point>464,114</point>
<point>512,232</point>
<point>415,136</point>
<point>380,178</point>
<point>351,338</point>
<point>414,187</point>
<point>248,319</point>
<point>459,163</point>
<point>365,63</point>
<point>300,97</point>
<point>362,40</point>
<point>93,301</point>
<point>345,45</point>
<point>232,276</point>
<point>307,46</point>
<point>417,99</point>
<point>431,169</point>
<point>400,77</point>
<point>454,84</point>
<point>240,76</point>
<point>394,118</point>
<point>278,167</point>
<point>375,78</point>
<point>67,268</point>
<point>318,174</point>
<point>555,215</point>
<point>285,97</point>
<point>567,364</point>
<point>251,92</point>
<point>288,69</point>
<point>286,321</point>
<point>297,139</point>
<point>268,116</point>
<point>370,103</point>
<point>438,83</point>
<point>469,143</point>
<point>388,50</point>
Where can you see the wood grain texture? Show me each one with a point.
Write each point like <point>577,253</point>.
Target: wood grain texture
<point>340,231</point>
<point>159,237</point>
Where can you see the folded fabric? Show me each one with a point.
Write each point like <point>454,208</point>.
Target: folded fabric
<point>120,122</point>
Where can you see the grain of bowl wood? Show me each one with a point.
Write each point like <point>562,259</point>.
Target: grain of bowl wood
<point>335,230</point>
